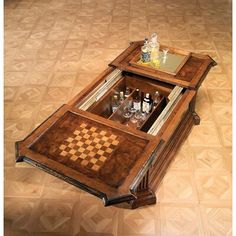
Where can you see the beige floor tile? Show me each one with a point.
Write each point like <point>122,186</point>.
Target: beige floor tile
<point>213,187</point>
<point>204,135</point>
<point>18,184</point>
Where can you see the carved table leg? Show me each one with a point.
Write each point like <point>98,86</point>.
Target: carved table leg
<point>145,197</point>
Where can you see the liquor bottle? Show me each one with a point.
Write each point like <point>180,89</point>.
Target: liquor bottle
<point>122,97</point>
<point>145,52</point>
<point>127,92</point>
<point>156,99</point>
<point>154,48</point>
<point>137,100</point>
<point>147,103</point>
<point>114,103</point>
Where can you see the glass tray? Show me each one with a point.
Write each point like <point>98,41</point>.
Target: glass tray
<point>170,64</point>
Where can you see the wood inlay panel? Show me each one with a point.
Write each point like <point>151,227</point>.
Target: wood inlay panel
<point>91,148</point>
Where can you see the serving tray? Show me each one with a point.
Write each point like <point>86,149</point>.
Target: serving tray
<point>170,64</point>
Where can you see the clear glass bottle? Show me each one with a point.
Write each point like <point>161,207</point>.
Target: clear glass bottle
<point>154,47</point>
<point>127,92</point>
<point>122,97</point>
<point>137,100</point>
<point>147,103</point>
<point>156,99</point>
<point>114,103</point>
<point>145,52</point>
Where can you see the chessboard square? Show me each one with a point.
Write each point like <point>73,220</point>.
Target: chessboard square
<point>86,136</point>
<point>115,142</point>
<point>106,144</point>
<point>100,152</point>
<point>102,158</point>
<point>104,138</point>
<point>83,125</point>
<point>113,136</point>
<point>88,142</point>
<point>78,138</point>
<point>96,140</point>
<point>98,146</point>
<point>72,151</point>
<point>62,147</point>
<point>109,150</point>
<point>74,157</point>
<point>84,162</point>
<point>83,156</point>
<point>93,160</point>
<point>81,149</point>
<point>95,167</point>
<point>77,132</point>
<point>80,144</point>
<point>92,154</point>
<point>103,132</point>
<point>63,153</point>
<point>93,129</point>
<point>67,149</point>
<point>90,148</point>
<point>85,131</point>
<point>69,139</point>
<point>71,145</point>
<point>95,134</point>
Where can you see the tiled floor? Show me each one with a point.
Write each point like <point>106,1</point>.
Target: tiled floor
<point>53,49</point>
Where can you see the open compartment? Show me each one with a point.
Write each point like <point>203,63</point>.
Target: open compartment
<point>103,106</point>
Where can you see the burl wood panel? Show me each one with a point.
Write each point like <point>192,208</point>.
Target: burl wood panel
<point>90,148</point>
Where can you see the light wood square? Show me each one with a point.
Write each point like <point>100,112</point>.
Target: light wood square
<point>95,167</point>
<point>98,146</point>
<point>69,139</point>
<point>95,134</point>
<point>103,132</point>
<point>100,152</point>
<point>86,136</point>
<point>106,144</point>
<point>113,136</point>
<point>88,142</point>
<point>104,138</point>
<point>83,125</point>
<point>85,131</point>
<point>92,154</point>
<point>72,151</point>
<point>102,158</point>
<point>93,129</point>
<point>83,156</point>
<point>63,153</point>
<point>90,148</point>
<point>71,145</point>
<point>78,138</point>
<point>109,150</point>
<point>81,149</point>
<point>79,143</point>
<point>93,160</point>
<point>62,147</point>
<point>115,142</point>
<point>77,132</point>
<point>84,162</point>
<point>74,158</point>
<point>96,140</point>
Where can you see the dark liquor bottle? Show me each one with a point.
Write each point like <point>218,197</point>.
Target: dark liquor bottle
<point>137,100</point>
<point>147,103</point>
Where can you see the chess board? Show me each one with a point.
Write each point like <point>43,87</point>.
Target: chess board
<point>89,146</point>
